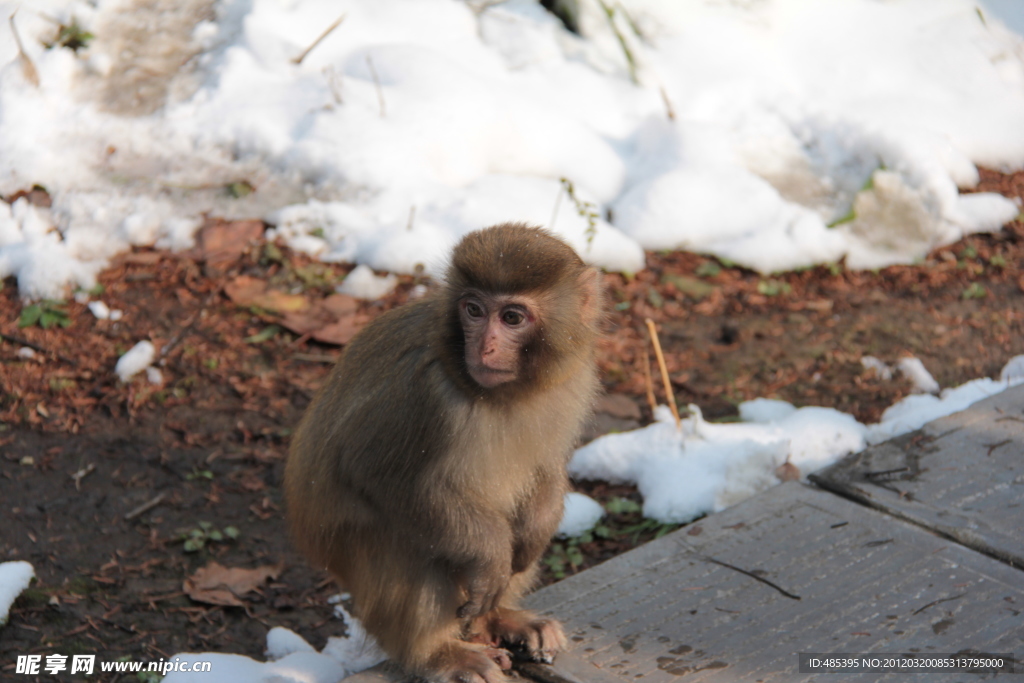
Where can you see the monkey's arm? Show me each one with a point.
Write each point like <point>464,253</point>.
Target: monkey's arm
<point>537,519</point>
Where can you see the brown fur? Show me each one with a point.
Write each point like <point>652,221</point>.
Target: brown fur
<point>431,498</point>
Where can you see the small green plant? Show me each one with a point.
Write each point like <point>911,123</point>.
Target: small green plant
<point>271,254</point>
<point>568,555</point>
<point>708,269</point>
<point>210,363</point>
<point>71,36</point>
<point>586,209</point>
<point>772,287</point>
<point>59,384</point>
<point>622,506</point>
<point>315,275</point>
<point>96,290</point>
<point>240,189</point>
<point>198,474</point>
<point>46,314</point>
<point>196,539</point>
<point>263,335</point>
<point>969,252</point>
<point>835,269</point>
<point>655,298</point>
<point>622,306</point>
<point>974,291</point>
<point>997,261</point>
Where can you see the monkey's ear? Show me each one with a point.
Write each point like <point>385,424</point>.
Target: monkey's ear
<point>590,284</point>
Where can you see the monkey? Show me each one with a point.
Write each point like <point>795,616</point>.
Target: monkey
<point>428,474</point>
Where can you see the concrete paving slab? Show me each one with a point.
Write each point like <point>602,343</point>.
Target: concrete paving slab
<point>962,476</point>
<point>738,595</point>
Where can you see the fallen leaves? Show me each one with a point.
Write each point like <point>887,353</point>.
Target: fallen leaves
<point>246,290</point>
<point>221,243</point>
<point>331,320</point>
<point>216,584</point>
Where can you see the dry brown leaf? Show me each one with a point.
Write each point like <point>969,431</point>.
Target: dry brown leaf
<point>216,584</point>
<point>245,290</point>
<point>303,322</point>
<point>142,258</point>
<point>220,243</point>
<point>330,321</point>
<point>340,305</point>
<point>787,471</point>
<point>618,406</point>
<point>340,332</point>
<point>280,302</point>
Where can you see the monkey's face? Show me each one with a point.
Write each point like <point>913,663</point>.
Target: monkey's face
<point>496,328</point>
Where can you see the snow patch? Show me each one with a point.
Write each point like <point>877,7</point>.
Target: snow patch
<point>914,370</point>
<point>581,514</point>
<point>14,578</point>
<point>363,284</point>
<point>292,659</point>
<point>135,360</point>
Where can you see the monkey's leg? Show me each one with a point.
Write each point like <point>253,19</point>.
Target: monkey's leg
<point>409,607</point>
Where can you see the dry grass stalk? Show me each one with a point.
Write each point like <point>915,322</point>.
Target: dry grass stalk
<point>376,82</point>
<point>336,24</point>
<point>648,383</point>
<point>28,69</point>
<point>664,372</point>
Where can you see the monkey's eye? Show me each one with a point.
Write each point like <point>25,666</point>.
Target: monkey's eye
<point>473,310</point>
<point>512,317</point>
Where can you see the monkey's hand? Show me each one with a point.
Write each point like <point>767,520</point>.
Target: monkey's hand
<point>485,587</point>
<point>526,634</point>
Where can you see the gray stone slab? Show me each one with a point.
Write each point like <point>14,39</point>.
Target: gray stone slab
<point>866,582</point>
<point>962,476</point>
<point>570,669</point>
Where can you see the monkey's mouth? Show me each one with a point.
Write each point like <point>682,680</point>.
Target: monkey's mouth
<point>491,377</point>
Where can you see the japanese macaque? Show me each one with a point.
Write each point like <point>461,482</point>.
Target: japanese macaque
<point>428,474</point>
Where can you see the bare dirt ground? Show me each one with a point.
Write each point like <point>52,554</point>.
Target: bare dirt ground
<point>208,443</point>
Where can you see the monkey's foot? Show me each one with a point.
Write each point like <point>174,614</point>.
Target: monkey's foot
<point>470,663</point>
<point>535,638</point>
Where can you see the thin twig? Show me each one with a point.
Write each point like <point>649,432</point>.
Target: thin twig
<point>669,109</point>
<point>187,327</point>
<point>145,507</point>
<point>27,67</point>
<point>337,22</point>
<point>630,59</point>
<point>751,575</point>
<point>376,82</point>
<point>648,382</point>
<point>936,602</point>
<point>664,372</point>
<point>37,347</point>
<point>82,474</point>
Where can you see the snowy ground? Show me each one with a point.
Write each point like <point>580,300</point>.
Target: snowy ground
<point>734,128</point>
